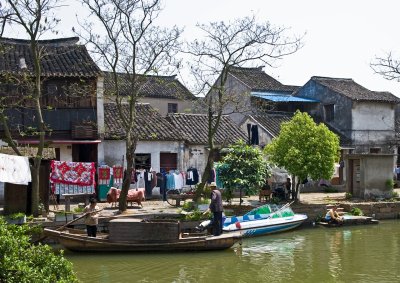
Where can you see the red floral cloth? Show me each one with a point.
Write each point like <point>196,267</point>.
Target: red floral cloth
<point>72,177</point>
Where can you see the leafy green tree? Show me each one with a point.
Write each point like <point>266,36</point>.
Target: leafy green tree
<point>244,167</point>
<point>20,261</point>
<point>221,47</point>
<point>304,149</point>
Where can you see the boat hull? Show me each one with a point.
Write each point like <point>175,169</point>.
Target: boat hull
<point>82,243</point>
<point>266,226</point>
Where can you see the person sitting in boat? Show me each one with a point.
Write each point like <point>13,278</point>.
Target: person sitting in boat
<point>332,216</point>
<point>91,218</point>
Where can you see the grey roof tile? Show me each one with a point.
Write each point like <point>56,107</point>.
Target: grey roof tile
<point>195,129</point>
<point>272,123</point>
<point>64,58</point>
<point>256,79</point>
<point>149,124</point>
<point>151,86</point>
<point>354,91</point>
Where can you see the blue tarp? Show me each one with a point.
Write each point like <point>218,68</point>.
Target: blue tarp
<point>275,97</point>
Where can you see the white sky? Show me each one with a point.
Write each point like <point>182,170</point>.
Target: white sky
<point>343,36</point>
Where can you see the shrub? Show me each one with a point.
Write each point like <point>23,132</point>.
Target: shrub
<point>389,184</point>
<point>356,211</point>
<point>78,209</point>
<point>20,261</point>
<point>197,215</point>
<point>17,215</point>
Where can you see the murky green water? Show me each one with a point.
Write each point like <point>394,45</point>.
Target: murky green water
<point>368,253</point>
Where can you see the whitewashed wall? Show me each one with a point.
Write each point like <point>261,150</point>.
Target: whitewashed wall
<point>114,151</point>
<point>161,104</point>
<point>373,122</point>
<point>66,152</point>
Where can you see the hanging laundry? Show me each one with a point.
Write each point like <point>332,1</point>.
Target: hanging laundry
<point>148,177</point>
<point>192,177</point>
<point>118,172</point>
<point>14,169</point>
<point>104,175</point>
<point>72,177</point>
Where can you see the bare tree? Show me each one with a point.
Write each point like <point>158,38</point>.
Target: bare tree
<point>34,17</point>
<point>129,43</point>
<point>387,66</point>
<point>239,43</point>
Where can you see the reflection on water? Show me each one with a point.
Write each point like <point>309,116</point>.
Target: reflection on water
<point>346,254</point>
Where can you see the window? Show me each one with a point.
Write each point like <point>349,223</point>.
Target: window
<point>374,150</point>
<point>329,110</point>
<point>172,107</point>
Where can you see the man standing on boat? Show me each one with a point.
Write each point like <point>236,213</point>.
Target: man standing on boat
<point>216,208</point>
<point>91,218</point>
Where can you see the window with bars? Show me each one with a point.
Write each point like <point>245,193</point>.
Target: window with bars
<point>172,108</point>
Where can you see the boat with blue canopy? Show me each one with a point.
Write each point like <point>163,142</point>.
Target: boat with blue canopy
<point>263,220</point>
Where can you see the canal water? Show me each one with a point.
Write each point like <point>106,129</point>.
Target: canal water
<point>369,253</point>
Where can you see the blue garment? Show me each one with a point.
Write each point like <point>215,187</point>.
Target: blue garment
<point>170,182</point>
<point>328,216</point>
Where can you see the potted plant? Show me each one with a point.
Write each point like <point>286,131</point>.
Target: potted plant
<point>42,209</point>
<point>62,215</point>
<point>16,218</point>
<point>78,211</point>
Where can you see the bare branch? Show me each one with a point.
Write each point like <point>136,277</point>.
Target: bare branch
<point>387,66</point>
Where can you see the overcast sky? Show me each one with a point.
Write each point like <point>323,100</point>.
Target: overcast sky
<point>342,36</point>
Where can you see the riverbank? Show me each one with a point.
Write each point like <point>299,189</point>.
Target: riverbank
<point>313,204</point>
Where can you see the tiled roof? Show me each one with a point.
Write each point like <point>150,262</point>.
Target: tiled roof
<point>64,58</point>
<point>354,91</point>
<point>194,128</point>
<point>272,121</point>
<point>151,86</point>
<point>149,125</point>
<point>256,79</point>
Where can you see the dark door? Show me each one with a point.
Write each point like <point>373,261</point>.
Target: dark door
<point>84,153</point>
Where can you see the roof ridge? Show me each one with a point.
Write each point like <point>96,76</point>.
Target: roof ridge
<point>331,78</point>
<point>58,41</point>
<point>259,68</point>
<point>155,76</point>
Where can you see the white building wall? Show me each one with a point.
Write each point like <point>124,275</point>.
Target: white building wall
<point>114,152</point>
<point>161,104</point>
<point>372,122</point>
<point>66,152</point>
<point>196,157</point>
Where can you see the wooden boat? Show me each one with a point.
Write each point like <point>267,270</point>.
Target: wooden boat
<point>134,235</point>
<point>264,220</point>
<point>351,220</point>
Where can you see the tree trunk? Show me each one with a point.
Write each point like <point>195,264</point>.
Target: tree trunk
<point>205,176</point>
<point>297,191</point>
<point>130,165</point>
